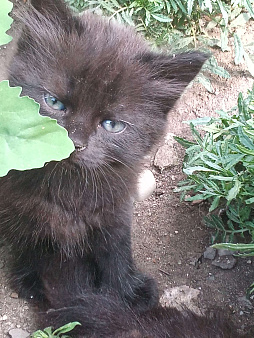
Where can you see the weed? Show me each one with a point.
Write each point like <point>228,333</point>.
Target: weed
<point>219,166</point>
<point>59,333</point>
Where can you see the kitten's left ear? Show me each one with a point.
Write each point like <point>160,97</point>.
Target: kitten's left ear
<point>171,74</point>
<point>52,8</point>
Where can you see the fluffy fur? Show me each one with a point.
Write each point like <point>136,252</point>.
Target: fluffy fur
<point>68,223</point>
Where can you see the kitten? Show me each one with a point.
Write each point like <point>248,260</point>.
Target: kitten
<point>68,223</point>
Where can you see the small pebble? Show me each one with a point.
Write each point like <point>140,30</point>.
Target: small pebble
<point>225,262</point>
<point>245,303</point>
<point>14,295</point>
<point>193,262</point>
<point>18,333</point>
<point>146,185</point>
<point>210,253</point>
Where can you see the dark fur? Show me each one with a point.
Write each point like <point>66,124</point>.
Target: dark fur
<point>68,223</point>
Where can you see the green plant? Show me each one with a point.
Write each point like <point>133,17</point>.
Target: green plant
<point>27,139</point>
<point>49,333</point>
<point>229,16</point>
<point>177,23</point>
<point>219,166</point>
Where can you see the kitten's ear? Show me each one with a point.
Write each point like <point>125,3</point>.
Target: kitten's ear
<point>55,10</point>
<point>182,67</point>
<point>44,22</point>
<point>170,75</point>
<point>49,6</point>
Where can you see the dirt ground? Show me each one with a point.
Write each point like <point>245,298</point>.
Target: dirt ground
<point>169,236</point>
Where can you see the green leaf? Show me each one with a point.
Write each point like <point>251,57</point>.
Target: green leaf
<point>190,6</point>
<point>223,10</point>
<point>250,200</point>
<point>212,165</point>
<point>233,216</point>
<point>5,21</point>
<point>221,178</point>
<point>212,65</point>
<point>196,134</point>
<point>206,4</point>
<point>181,6</point>
<point>215,222</point>
<point>234,247</point>
<point>66,328</point>
<point>27,139</point>
<point>250,290</point>
<point>39,334</point>
<point>233,192</point>
<point>199,121</point>
<point>201,78</point>
<point>215,203</point>
<point>244,139</point>
<point>161,17</point>
<point>224,40</point>
<point>184,188</point>
<point>196,197</point>
<point>116,4</point>
<point>248,6</point>
<point>191,170</point>
<point>239,51</point>
<point>185,143</point>
<point>48,330</point>
<point>233,160</point>
<point>245,150</point>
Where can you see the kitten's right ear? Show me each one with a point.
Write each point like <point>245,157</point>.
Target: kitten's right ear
<point>170,75</point>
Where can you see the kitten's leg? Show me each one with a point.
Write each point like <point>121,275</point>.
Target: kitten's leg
<point>32,267</point>
<point>25,275</point>
<point>117,269</point>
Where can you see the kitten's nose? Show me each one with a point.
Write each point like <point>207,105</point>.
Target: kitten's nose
<point>79,147</point>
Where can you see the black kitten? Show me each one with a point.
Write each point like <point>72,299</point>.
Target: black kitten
<point>68,223</point>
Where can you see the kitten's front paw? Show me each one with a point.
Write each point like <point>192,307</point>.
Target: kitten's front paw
<point>28,287</point>
<point>144,295</point>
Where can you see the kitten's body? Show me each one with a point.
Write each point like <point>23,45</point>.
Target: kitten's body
<point>68,223</point>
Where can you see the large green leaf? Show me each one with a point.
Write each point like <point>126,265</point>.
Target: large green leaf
<point>27,139</point>
<point>5,21</point>
<point>66,328</point>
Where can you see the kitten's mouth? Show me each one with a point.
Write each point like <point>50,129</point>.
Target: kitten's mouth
<point>80,148</point>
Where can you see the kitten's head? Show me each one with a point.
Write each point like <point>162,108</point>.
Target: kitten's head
<point>99,80</point>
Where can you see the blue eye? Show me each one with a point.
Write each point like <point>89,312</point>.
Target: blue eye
<point>53,102</point>
<point>113,126</point>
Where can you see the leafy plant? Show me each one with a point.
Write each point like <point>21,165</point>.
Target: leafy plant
<point>229,16</point>
<point>49,333</point>
<point>219,166</point>
<point>27,139</point>
<point>176,23</point>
